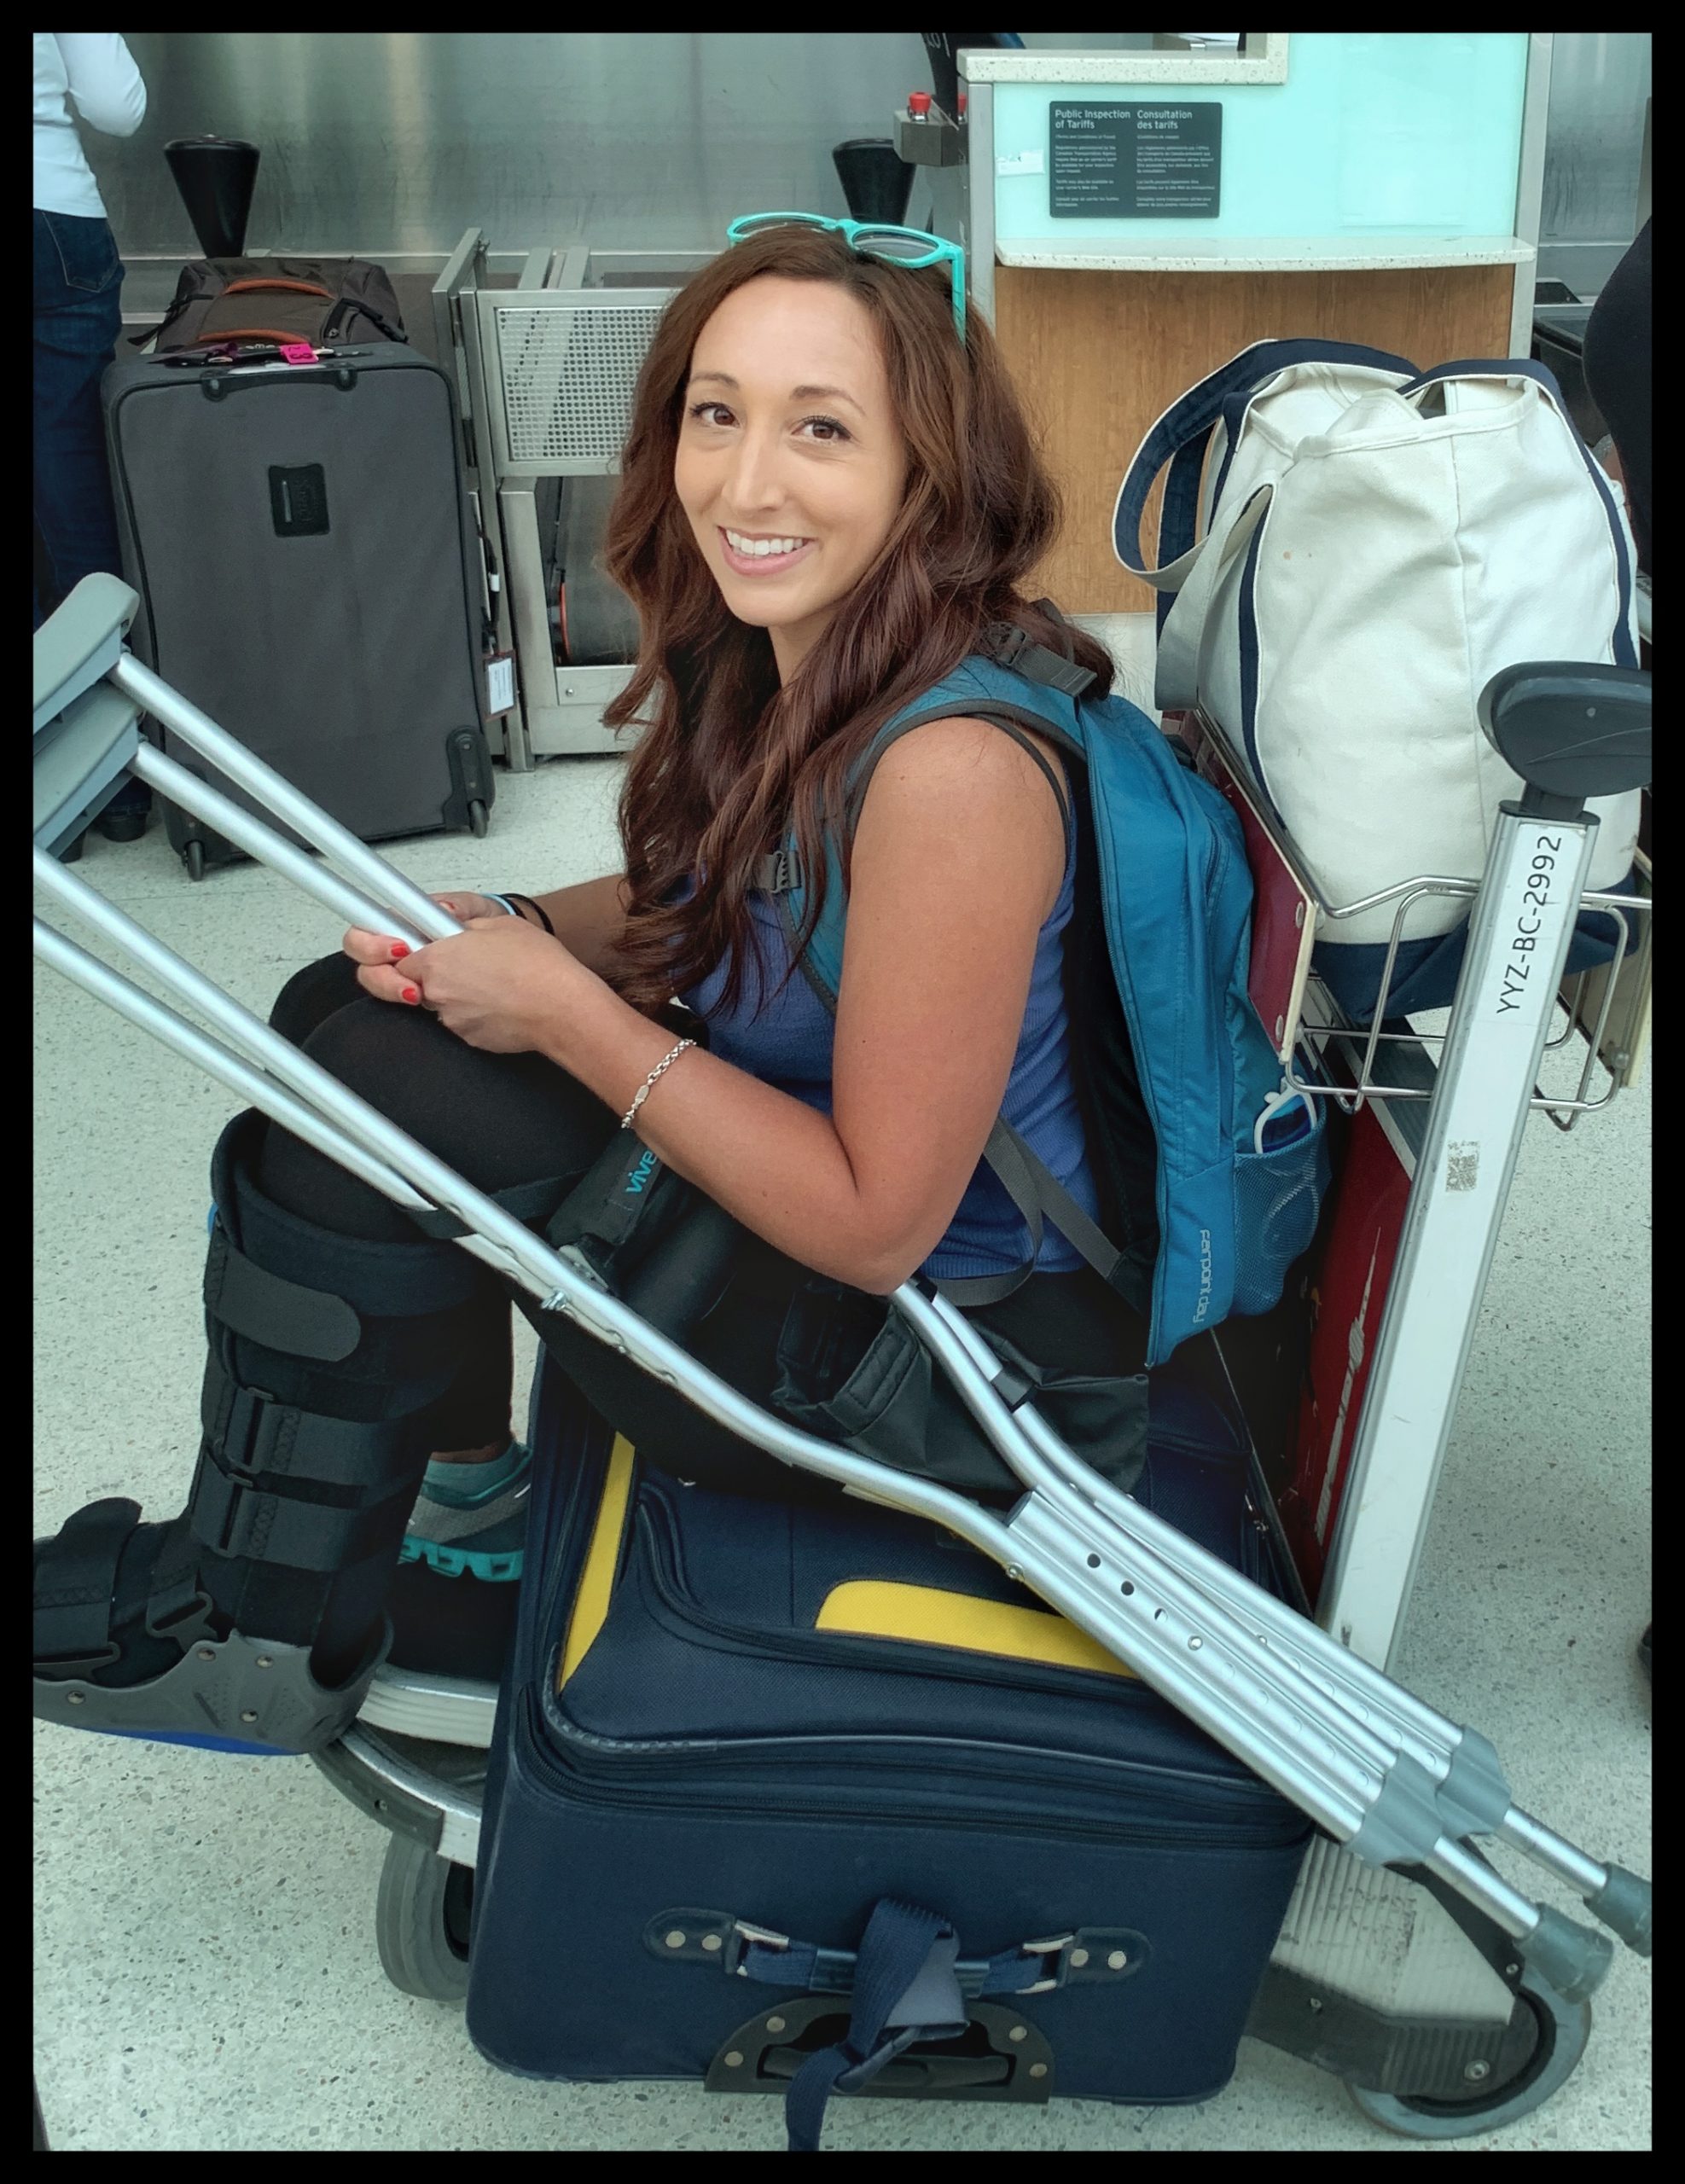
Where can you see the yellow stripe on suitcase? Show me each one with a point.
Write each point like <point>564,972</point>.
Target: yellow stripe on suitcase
<point>865,1608</point>
<point>868,1608</point>
<point>596,1580</point>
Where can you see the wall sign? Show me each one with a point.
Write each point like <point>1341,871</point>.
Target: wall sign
<point>1135,159</point>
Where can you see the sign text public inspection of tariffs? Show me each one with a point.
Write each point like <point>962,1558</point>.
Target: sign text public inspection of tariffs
<point>1128,159</point>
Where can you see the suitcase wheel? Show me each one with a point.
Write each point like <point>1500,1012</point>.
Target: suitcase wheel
<point>193,857</point>
<point>477,820</point>
<point>421,1912</point>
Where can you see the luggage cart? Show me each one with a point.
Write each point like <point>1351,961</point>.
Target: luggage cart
<point>1433,1144</point>
<point>1392,1783</point>
<point>546,373</point>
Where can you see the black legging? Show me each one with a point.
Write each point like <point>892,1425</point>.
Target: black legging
<point>501,1120</point>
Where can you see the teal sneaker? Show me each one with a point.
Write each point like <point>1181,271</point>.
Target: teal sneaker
<point>482,1535</point>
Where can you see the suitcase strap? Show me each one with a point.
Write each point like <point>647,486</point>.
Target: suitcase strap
<point>908,1982</point>
<point>904,1990</point>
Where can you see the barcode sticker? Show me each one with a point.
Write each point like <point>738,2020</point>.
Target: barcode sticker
<point>500,683</point>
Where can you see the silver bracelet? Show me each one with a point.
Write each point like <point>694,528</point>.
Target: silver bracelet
<point>643,1093</point>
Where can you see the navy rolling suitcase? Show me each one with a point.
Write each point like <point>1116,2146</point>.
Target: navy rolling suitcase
<point>301,541</point>
<point>755,1759</point>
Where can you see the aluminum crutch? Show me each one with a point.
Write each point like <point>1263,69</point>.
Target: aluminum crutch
<point>1469,1789</point>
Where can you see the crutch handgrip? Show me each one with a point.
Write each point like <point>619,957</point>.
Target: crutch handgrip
<point>1568,1957</point>
<point>1623,1903</point>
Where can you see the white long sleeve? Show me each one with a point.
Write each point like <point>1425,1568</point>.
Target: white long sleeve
<point>95,70</point>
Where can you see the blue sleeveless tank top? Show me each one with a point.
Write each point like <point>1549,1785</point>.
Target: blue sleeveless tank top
<point>786,1040</point>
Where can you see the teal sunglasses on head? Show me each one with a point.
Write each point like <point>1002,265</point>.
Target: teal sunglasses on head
<point>908,247</point>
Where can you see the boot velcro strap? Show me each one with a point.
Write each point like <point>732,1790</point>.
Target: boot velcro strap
<point>237,1517</point>
<point>252,1435</point>
<point>389,1280</point>
<point>75,1580</point>
<point>176,1606</point>
<point>257,1452</point>
<point>281,1315</point>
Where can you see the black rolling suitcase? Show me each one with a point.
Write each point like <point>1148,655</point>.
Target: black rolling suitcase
<point>300,540</point>
<point>756,1762</point>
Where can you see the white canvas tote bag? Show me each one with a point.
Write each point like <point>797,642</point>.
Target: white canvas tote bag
<point>1370,546</point>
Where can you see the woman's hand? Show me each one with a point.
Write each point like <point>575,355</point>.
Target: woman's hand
<point>365,947</point>
<point>500,985</point>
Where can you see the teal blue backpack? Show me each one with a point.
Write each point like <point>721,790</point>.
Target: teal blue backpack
<point>1209,1183</point>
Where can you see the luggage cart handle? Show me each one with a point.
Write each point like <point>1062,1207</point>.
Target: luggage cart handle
<point>1573,730</point>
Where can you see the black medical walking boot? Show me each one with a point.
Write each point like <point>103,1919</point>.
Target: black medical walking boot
<point>256,1619</point>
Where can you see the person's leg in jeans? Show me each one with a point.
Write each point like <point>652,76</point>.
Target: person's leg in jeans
<point>78,284</point>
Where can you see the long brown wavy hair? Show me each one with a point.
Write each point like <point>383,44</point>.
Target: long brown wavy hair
<point>728,759</point>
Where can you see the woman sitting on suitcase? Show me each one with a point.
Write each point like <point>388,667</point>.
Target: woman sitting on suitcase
<point>828,495</point>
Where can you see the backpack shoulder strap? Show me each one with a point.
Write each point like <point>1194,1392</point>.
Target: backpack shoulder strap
<point>1037,691</point>
<point>1016,684</point>
<point>1038,1195</point>
<point>1012,705</point>
<point>1010,724</point>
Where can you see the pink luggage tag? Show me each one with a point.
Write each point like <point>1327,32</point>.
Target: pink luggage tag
<point>297,353</point>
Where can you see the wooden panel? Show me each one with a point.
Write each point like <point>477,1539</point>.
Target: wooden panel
<point>1097,357</point>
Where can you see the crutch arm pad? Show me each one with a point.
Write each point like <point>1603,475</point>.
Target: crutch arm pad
<point>80,641</point>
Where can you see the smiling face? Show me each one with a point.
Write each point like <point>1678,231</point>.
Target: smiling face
<point>790,464</point>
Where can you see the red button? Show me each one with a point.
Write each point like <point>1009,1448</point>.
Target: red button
<point>918,101</point>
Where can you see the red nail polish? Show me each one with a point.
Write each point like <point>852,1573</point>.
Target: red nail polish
<point>400,949</point>
<point>412,993</point>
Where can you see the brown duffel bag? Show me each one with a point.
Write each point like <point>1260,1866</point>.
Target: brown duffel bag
<point>243,302</point>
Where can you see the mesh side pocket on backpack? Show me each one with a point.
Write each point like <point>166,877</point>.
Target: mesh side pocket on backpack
<point>1278,1195</point>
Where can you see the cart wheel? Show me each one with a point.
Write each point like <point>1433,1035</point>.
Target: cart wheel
<point>193,857</point>
<point>1544,2043</point>
<point>478,821</point>
<point>421,1921</point>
